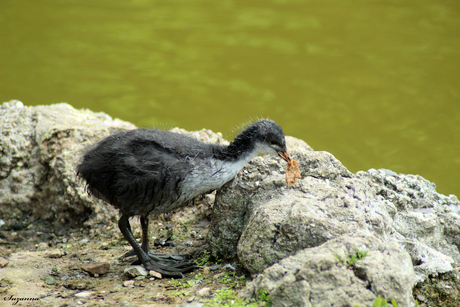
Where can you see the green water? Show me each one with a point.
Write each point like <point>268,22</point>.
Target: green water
<point>376,83</point>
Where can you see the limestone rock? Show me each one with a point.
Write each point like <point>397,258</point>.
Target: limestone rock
<point>266,223</point>
<point>40,147</point>
<point>322,276</point>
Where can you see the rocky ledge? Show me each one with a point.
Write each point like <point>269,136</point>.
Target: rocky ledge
<point>334,239</point>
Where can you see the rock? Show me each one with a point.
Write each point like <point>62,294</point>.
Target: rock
<point>80,284</point>
<point>3,262</point>
<point>50,280</point>
<point>99,268</point>
<point>55,253</point>
<point>322,276</point>
<point>291,239</point>
<point>40,148</point>
<point>214,267</point>
<point>229,266</point>
<point>263,221</point>
<point>84,294</point>
<point>134,271</point>
<point>42,246</point>
<point>155,274</point>
<point>262,180</point>
<point>128,283</point>
<point>206,291</point>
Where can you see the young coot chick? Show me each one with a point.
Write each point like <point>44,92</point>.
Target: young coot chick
<point>145,171</point>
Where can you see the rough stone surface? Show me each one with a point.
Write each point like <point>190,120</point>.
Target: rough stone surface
<point>322,276</point>
<point>265,222</point>
<point>39,148</point>
<point>261,181</point>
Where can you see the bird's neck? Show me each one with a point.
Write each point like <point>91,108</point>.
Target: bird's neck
<point>243,147</point>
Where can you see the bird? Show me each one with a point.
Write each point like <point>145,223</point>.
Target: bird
<point>144,172</point>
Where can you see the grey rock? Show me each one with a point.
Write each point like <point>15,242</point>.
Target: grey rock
<point>267,223</point>
<point>262,180</point>
<point>296,241</point>
<point>229,266</point>
<point>214,267</point>
<point>317,277</point>
<point>40,147</point>
<point>135,271</point>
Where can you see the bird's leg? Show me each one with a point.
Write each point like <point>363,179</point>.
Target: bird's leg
<point>150,262</point>
<point>145,244</point>
<point>145,233</point>
<point>145,236</point>
<point>146,249</point>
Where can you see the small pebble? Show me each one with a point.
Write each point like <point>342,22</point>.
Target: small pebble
<point>84,294</point>
<point>229,266</point>
<point>421,297</point>
<point>50,280</point>
<point>134,271</point>
<point>97,268</point>
<point>42,246</point>
<point>203,292</point>
<point>214,267</point>
<point>3,262</point>
<point>128,283</point>
<point>156,274</point>
<point>55,253</point>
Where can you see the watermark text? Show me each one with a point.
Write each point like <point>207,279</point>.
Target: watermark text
<point>15,300</point>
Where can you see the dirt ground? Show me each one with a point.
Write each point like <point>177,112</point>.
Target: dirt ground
<point>45,265</point>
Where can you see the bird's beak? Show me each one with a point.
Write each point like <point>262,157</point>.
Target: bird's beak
<point>284,155</point>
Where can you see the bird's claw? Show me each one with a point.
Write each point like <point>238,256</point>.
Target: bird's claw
<point>170,270</point>
<point>163,257</point>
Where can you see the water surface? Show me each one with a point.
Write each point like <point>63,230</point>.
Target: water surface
<point>376,83</point>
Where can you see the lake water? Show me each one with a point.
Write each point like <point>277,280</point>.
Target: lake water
<point>376,83</point>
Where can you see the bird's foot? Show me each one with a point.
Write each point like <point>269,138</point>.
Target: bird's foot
<point>163,257</point>
<point>170,270</point>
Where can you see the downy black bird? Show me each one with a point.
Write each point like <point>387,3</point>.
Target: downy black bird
<point>145,171</point>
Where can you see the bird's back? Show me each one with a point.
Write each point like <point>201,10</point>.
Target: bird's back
<point>140,171</point>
